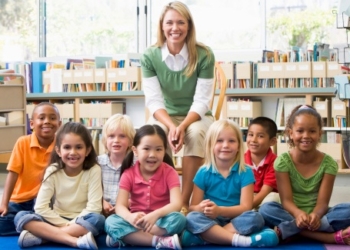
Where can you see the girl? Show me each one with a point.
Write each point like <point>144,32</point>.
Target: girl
<point>117,135</point>
<point>72,184</point>
<point>305,178</point>
<point>153,188</point>
<point>223,195</point>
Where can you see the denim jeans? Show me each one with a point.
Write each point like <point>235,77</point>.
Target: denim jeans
<point>7,226</point>
<point>247,223</point>
<point>92,222</point>
<point>337,218</point>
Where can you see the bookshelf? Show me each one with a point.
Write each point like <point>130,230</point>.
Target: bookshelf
<point>13,122</point>
<point>269,98</point>
<point>244,72</point>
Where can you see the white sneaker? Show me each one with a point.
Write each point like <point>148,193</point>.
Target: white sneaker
<point>110,242</point>
<point>168,242</point>
<point>27,239</point>
<point>87,241</point>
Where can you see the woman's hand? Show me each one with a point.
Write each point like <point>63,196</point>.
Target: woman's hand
<point>176,138</point>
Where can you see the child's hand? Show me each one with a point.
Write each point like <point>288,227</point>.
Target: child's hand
<point>203,204</point>
<point>211,210</point>
<point>302,220</point>
<point>134,218</point>
<point>147,222</point>
<point>314,222</point>
<point>108,209</point>
<point>3,210</point>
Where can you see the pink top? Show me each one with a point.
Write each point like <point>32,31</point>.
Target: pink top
<point>147,196</point>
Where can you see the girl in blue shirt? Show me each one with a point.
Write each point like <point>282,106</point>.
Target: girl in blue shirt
<point>222,201</point>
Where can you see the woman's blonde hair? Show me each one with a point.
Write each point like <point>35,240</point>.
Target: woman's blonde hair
<point>210,140</point>
<point>191,41</point>
<point>118,121</point>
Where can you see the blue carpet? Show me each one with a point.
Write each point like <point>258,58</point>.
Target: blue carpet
<point>10,243</point>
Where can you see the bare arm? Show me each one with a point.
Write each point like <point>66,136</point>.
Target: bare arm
<point>259,197</point>
<point>324,195</point>
<point>10,182</point>
<point>174,205</point>
<point>286,193</point>
<point>121,206</point>
<point>197,198</point>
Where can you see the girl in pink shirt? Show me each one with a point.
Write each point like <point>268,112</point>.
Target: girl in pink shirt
<point>149,197</point>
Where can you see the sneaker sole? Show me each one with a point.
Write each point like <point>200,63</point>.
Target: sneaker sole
<point>94,245</point>
<point>20,239</point>
<point>177,242</point>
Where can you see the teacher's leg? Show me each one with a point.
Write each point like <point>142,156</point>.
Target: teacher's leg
<point>193,156</point>
<point>190,165</point>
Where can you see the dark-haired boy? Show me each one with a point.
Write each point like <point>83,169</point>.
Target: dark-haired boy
<point>261,136</point>
<point>29,159</point>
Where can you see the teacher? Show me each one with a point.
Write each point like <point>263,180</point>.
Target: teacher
<point>177,81</point>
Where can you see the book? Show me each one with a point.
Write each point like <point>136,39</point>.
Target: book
<point>102,61</point>
<point>279,117</point>
<point>37,76</point>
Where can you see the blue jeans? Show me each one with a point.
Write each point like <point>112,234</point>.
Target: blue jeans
<point>92,222</point>
<point>7,226</point>
<point>247,223</point>
<point>337,218</point>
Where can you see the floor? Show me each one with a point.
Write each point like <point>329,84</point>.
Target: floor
<point>340,194</point>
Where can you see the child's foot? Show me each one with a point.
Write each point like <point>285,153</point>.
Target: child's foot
<point>87,241</point>
<point>265,238</point>
<point>111,243</point>
<point>190,239</point>
<point>168,242</point>
<point>342,236</point>
<point>27,239</point>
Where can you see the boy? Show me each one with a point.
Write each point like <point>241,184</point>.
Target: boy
<point>27,165</point>
<point>261,136</point>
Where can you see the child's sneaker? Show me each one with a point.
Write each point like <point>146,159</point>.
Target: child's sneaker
<point>190,239</point>
<point>265,238</point>
<point>87,241</point>
<point>111,243</point>
<point>27,239</point>
<point>168,242</point>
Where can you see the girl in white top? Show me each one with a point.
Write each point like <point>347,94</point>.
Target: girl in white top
<point>69,203</point>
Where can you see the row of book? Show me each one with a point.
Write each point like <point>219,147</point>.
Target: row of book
<point>80,75</point>
<point>282,74</point>
<point>334,112</point>
<point>319,52</point>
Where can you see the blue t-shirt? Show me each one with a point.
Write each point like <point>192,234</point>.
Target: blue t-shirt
<point>223,191</point>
